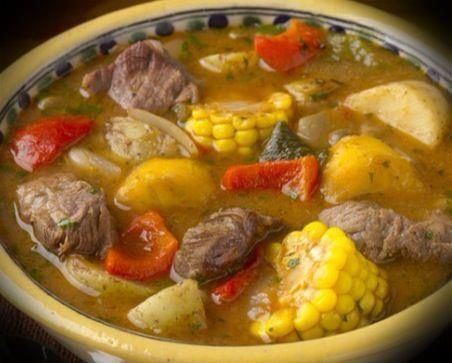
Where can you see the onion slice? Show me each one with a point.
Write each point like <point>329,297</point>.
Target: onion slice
<point>167,127</point>
<point>87,160</point>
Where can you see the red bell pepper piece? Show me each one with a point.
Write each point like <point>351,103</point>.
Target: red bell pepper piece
<point>41,142</point>
<point>297,178</point>
<point>295,47</point>
<point>234,286</point>
<point>145,250</point>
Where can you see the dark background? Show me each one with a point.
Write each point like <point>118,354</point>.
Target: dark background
<point>24,24</point>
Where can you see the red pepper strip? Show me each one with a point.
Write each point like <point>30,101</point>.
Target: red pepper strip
<point>233,287</point>
<point>145,250</point>
<point>298,178</point>
<point>41,142</point>
<point>295,47</point>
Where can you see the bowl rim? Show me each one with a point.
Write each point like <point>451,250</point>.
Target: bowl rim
<point>62,319</point>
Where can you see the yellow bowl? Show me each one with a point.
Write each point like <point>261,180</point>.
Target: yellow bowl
<point>392,339</point>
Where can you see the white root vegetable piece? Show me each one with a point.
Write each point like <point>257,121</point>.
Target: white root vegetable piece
<point>167,127</point>
<point>89,161</point>
<point>90,277</point>
<point>229,62</point>
<point>413,107</point>
<point>178,307</point>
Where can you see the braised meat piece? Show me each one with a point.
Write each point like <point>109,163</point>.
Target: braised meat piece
<point>382,234</point>
<point>144,76</point>
<point>221,243</point>
<point>67,215</point>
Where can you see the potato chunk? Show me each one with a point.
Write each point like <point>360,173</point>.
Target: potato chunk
<point>166,183</point>
<point>360,165</point>
<point>232,62</point>
<point>177,308</point>
<point>413,107</point>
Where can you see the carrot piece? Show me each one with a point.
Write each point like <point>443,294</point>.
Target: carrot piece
<point>41,142</point>
<point>145,250</point>
<point>297,178</point>
<point>296,46</point>
<point>234,286</point>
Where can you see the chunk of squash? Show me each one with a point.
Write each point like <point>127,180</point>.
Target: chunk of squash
<point>95,281</point>
<point>166,183</point>
<point>360,165</point>
<point>413,107</point>
<point>177,308</point>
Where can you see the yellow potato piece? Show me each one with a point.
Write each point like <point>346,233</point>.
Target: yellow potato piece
<point>413,107</point>
<point>166,183</point>
<point>360,165</point>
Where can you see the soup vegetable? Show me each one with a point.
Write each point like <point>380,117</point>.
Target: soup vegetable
<point>238,186</point>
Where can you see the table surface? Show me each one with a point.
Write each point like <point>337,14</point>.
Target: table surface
<point>30,22</point>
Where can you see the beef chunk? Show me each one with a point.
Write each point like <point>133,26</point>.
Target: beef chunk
<point>67,215</point>
<point>221,243</point>
<point>143,76</point>
<point>383,235</point>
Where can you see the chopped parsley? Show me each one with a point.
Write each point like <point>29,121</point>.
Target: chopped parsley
<point>94,190</point>
<point>386,163</point>
<point>429,235</point>
<point>371,177</point>
<point>65,223</point>
<point>293,262</point>
<point>319,96</point>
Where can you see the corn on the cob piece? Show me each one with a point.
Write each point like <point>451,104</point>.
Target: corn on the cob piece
<point>327,286</point>
<point>228,131</point>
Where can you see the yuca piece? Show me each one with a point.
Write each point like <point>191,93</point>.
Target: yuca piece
<point>413,107</point>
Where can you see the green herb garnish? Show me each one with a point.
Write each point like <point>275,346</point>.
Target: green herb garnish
<point>65,223</point>
<point>293,262</point>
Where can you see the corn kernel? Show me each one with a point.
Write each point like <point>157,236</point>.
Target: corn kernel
<point>371,282</point>
<point>246,137</point>
<point>202,128</point>
<point>243,123</point>
<point>330,321</point>
<point>203,141</point>
<point>333,235</point>
<point>189,125</point>
<point>265,133</point>
<point>372,267</point>
<point>307,317</point>
<point>280,100</point>
<point>280,323</point>
<point>225,145</point>
<point>271,252</point>
<point>343,283</point>
<point>280,116</point>
<point>314,231</point>
<point>219,119</point>
<point>325,276</point>
<point>378,308</point>
<point>363,273</point>
<point>265,120</point>
<point>324,300</point>
<point>345,304</point>
<point>223,131</point>
<point>350,322</point>
<point>352,265</point>
<point>336,256</point>
<point>367,303</point>
<point>246,150</point>
<point>313,333</point>
<point>257,329</point>
<point>199,113</point>
<point>358,289</point>
<point>382,288</point>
